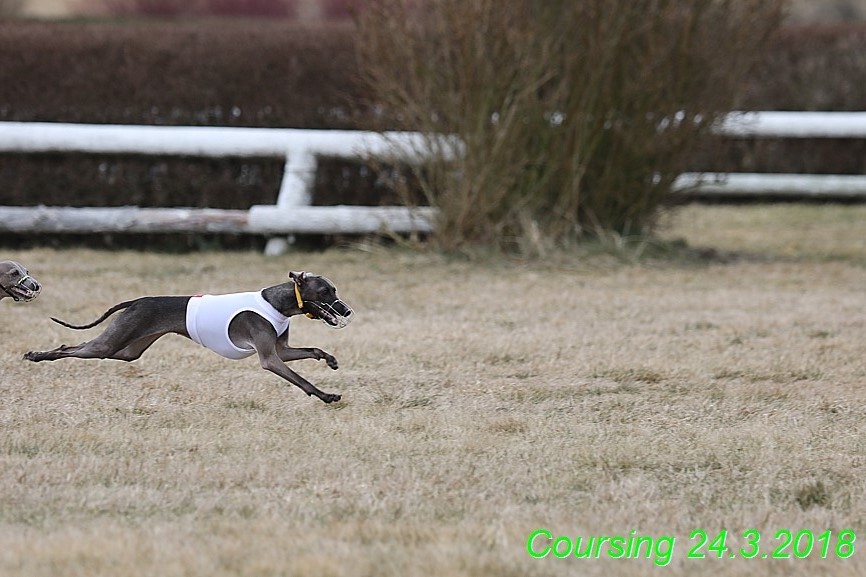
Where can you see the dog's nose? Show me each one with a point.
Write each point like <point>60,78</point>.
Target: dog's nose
<point>342,308</point>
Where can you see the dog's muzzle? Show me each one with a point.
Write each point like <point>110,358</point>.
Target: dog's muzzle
<point>26,289</point>
<point>336,315</point>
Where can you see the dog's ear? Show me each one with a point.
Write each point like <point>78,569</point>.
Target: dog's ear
<point>299,277</point>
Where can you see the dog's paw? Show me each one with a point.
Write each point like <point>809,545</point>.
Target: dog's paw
<point>32,356</point>
<point>329,398</point>
<point>328,358</point>
<point>332,362</point>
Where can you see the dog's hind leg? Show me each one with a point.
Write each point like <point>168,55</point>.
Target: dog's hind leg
<point>129,335</point>
<point>98,348</point>
<point>54,354</point>
<point>135,349</point>
<point>105,346</point>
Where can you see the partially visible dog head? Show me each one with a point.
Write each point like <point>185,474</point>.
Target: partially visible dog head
<point>16,282</point>
<point>317,297</point>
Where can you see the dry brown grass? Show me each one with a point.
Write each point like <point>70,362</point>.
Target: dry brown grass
<point>481,401</point>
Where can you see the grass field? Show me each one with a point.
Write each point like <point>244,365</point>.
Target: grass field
<point>722,387</point>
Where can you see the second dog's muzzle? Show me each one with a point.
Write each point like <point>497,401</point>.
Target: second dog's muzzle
<point>26,289</point>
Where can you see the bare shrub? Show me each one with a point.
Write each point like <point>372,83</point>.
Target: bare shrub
<point>575,116</point>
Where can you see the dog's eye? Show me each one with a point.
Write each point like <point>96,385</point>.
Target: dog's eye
<point>15,273</point>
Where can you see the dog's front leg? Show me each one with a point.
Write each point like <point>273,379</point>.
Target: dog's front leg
<point>288,354</point>
<point>271,362</point>
<point>251,330</point>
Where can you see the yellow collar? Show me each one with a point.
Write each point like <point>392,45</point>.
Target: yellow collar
<point>301,301</point>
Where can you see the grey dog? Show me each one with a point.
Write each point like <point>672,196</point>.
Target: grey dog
<point>234,325</point>
<point>16,282</point>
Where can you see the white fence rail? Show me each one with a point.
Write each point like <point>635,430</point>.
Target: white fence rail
<point>300,148</point>
<point>779,124</point>
<point>748,185</point>
<point>291,214</point>
<point>258,220</point>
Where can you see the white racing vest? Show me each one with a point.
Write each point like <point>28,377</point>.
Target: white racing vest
<point>208,318</point>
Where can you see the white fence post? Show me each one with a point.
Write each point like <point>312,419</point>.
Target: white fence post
<point>296,189</point>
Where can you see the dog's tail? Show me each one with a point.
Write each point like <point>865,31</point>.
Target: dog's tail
<point>105,315</point>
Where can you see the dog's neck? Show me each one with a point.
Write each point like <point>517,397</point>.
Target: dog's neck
<point>282,297</point>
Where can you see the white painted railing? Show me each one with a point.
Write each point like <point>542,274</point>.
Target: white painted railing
<point>261,219</point>
<point>779,124</point>
<point>782,124</point>
<point>300,148</point>
<point>748,185</point>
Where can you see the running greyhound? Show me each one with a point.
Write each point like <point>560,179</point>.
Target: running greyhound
<point>234,325</point>
<point>17,283</point>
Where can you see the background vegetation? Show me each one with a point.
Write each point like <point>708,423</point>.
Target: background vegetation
<point>572,116</point>
<point>558,147</point>
<point>216,71</point>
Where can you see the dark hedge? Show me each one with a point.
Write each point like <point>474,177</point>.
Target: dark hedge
<point>214,72</point>
<point>808,68</point>
<point>153,181</point>
<point>811,68</point>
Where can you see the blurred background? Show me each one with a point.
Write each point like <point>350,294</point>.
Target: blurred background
<point>304,10</point>
<point>828,10</point>
<point>310,10</point>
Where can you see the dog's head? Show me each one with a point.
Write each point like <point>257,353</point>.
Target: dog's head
<point>16,282</point>
<point>317,297</point>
